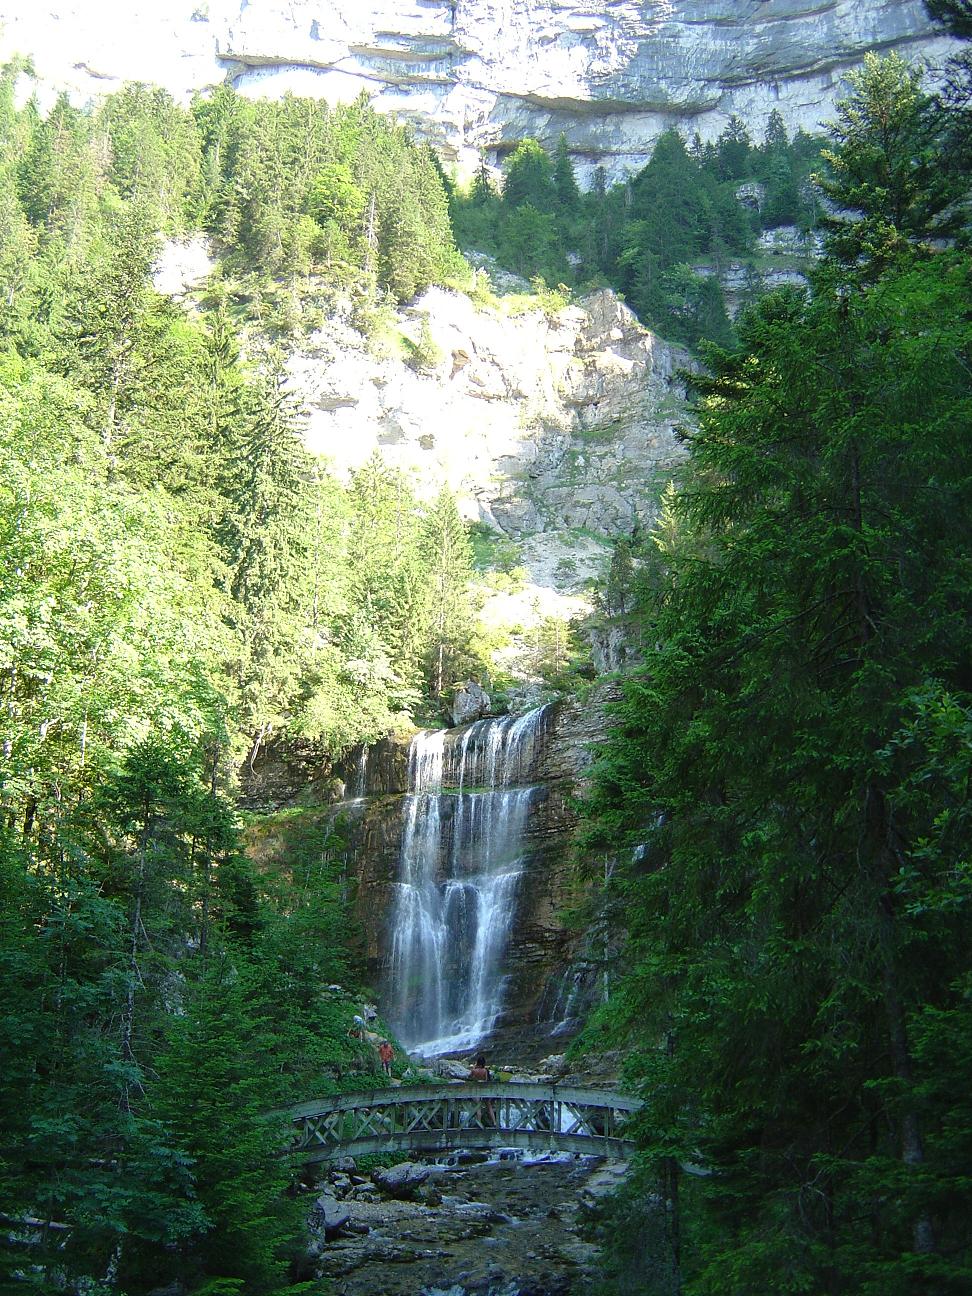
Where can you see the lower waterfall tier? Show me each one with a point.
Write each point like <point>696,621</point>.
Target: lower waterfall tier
<point>456,898</point>
<point>460,895</point>
<point>530,892</point>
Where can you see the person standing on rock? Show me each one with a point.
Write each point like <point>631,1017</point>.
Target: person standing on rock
<point>479,1073</point>
<point>386,1053</point>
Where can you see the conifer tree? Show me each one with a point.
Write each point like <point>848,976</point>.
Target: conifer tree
<point>565,182</point>
<point>529,177</point>
<point>956,15</point>
<point>796,937</point>
<point>884,165</point>
<point>483,189</point>
<point>216,1084</point>
<point>734,150</point>
<point>448,559</point>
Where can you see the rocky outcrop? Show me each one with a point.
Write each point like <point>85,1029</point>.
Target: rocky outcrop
<point>553,430</point>
<point>474,74</point>
<point>473,1229</point>
<point>471,702</point>
<point>783,258</point>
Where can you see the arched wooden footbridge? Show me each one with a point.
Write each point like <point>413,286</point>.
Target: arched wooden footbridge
<point>438,1118</point>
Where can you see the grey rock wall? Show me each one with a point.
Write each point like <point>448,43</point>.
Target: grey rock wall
<point>473,74</point>
<point>556,431</point>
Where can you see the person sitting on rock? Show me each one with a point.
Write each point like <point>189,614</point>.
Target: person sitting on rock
<point>479,1074</point>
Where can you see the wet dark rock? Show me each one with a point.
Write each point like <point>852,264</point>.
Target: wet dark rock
<point>330,1214</point>
<point>402,1181</point>
<point>470,1156</point>
<point>493,1232</point>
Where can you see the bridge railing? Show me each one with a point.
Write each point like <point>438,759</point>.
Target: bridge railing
<point>440,1117</point>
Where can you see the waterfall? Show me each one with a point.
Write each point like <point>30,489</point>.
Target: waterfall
<point>359,787</point>
<point>462,857</point>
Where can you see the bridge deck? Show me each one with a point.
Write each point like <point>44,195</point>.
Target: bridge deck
<point>437,1118</point>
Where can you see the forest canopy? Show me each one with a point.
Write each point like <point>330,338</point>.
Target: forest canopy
<point>778,824</point>
<point>787,786</point>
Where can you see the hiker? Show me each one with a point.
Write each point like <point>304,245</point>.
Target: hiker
<point>357,1030</point>
<point>386,1053</point>
<point>479,1074</point>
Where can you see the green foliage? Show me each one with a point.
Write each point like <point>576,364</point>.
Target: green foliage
<point>180,580</point>
<point>377,201</point>
<point>447,554</point>
<point>564,180</point>
<point>557,654</point>
<point>955,15</point>
<point>662,238</point>
<point>792,764</point>
<point>885,168</point>
<point>216,1082</point>
<point>425,354</point>
<point>529,177</point>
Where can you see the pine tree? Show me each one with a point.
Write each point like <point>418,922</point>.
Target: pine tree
<point>884,164</point>
<point>734,150</point>
<point>759,755</point>
<point>263,548</point>
<point>565,182</point>
<point>955,15</point>
<point>448,559</point>
<point>483,189</point>
<point>529,177</point>
<point>775,140</point>
<point>215,1087</point>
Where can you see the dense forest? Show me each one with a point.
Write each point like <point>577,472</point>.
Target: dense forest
<point>665,236</point>
<point>782,810</point>
<point>786,793</point>
<point>180,579</point>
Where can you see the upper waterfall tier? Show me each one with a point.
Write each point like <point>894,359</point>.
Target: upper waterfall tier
<point>488,754</point>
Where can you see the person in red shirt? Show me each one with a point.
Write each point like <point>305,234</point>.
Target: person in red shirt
<point>386,1053</point>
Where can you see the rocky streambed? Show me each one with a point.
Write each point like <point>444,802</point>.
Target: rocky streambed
<point>489,1227</point>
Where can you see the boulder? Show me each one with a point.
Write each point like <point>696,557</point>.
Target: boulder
<point>471,702</point>
<point>330,1214</point>
<point>402,1180</point>
<point>450,1069</point>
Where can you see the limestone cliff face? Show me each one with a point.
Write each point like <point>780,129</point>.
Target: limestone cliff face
<point>474,74</point>
<point>555,431</point>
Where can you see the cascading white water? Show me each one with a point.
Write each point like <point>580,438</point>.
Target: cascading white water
<point>462,857</point>
<point>360,782</point>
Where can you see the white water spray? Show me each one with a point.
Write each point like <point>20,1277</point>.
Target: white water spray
<point>461,860</point>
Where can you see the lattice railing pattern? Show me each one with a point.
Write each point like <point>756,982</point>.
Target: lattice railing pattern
<point>424,1117</point>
